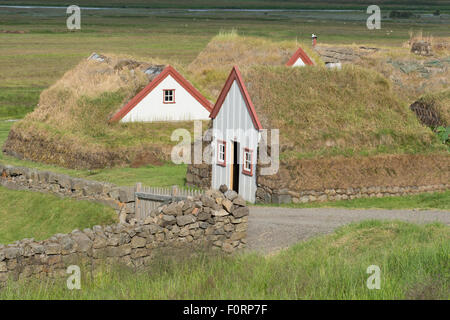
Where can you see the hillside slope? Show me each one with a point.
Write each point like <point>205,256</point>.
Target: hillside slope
<point>70,126</point>
<point>323,112</point>
<point>212,65</point>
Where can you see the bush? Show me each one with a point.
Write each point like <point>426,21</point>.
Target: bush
<point>443,134</point>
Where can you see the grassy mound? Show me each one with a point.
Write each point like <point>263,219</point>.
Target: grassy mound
<point>213,64</point>
<point>413,261</point>
<point>323,112</point>
<point>70,126</point>
<point>25,214</point>
<point>413,75</point>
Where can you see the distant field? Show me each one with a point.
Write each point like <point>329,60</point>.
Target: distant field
<point>413,261</point>
<point>32,61</point>
<point>247,4</point>
<point>26,214</point>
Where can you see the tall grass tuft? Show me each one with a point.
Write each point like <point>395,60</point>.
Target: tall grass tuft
<point>413,260</point>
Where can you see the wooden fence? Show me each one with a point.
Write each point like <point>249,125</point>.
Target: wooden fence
<point>149,198</point>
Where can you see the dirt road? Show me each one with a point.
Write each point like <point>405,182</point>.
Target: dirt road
<point>271,228</point>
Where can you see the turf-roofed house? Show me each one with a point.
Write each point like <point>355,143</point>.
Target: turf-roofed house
<point>169,97</point>
<point>299,58</point>
<point>342,135</point>
<point>236,134</point>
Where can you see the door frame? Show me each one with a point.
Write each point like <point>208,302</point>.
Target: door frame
<point>234,145</point>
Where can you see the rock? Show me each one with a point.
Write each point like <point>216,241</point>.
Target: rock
<point>231,195</point>
<point>227,204</point>
<point>99,242</point>
<point>188,206</point>
<point>173,209</point>
<point>52,248</point>
<point>138,242</point>
<point>210,202</point>
<point>239,201</point>
<point>184,220</point>
<point>67,244</point>
<point>126,194</point>
<point>167,220</point>
<point>220,213</point>
<point>239,212</point>
<point>11,253</point>
<point>83,242</point>
<point>203,216</point>
<point>223,188</point>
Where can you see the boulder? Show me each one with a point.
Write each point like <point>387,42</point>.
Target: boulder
<point>239,212</point>
<point>231,195</point>
<point>184,220</point>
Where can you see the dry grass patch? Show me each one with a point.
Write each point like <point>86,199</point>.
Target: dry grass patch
<point>70,126</point>
<point>413,75</point>
<point>324,112</point>
<point>213,64</point>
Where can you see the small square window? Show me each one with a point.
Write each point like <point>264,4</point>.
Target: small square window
<point>247,166</point>
<point>169,96</point>
<point>221,153</point>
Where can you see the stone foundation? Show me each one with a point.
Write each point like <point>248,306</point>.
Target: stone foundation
<point>199,175</point>
<point>267,195</point>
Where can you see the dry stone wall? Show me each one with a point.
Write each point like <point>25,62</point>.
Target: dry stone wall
<point>265,194</point>
<point>119,198</point>
<point>342,179</point>
<point>199,175</point>
<point>217,219</point>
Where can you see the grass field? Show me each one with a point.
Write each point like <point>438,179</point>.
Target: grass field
<point>34,60</point>
<point>25,214</point>
<point>158,176</point>
<point>247,4</point>
<point>413,261</point>
<point>435,200</point>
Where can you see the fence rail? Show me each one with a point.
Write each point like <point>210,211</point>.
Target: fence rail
<point>149,198</point>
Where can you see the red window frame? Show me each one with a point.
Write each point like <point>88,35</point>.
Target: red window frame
<point>220,162</point>
<point>164,96</point>
<point>244,170</point>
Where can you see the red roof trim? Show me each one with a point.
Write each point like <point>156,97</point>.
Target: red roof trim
<point>236,75</point>
<point>169,70</point>
<point>302,55</point>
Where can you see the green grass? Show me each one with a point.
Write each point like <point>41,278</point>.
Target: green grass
<point>36,59</point>
<point>247,4</point>
<point>25,214</point>
<point>435,200</point>
<point>414,263</point>
<point>325,113</point>
<point>158,176</point>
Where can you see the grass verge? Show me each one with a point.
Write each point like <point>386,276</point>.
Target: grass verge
<point>413,260</point>
<point>435,200</point>
<point>25,214</point>
<point>158,176</point>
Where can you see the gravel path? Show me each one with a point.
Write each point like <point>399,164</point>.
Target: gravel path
<point>271,228</point>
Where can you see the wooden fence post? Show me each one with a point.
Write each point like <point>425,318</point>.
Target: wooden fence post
<point>174,192</point>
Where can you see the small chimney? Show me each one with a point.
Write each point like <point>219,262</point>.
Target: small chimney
<point>314,39</point>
